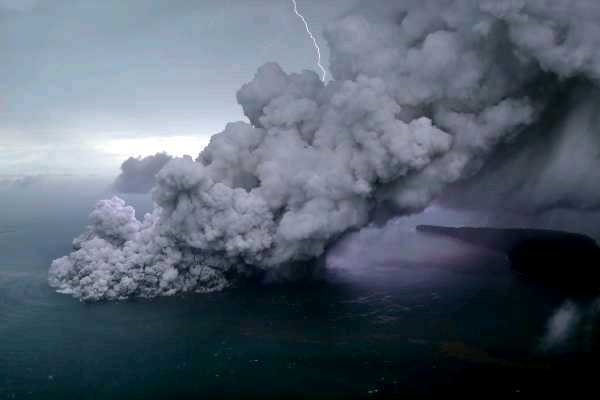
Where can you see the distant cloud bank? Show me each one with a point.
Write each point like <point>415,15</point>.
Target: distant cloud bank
<point>21,181</point>
<point>138,174</point>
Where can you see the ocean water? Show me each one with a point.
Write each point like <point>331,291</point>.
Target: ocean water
<point>379,327</point>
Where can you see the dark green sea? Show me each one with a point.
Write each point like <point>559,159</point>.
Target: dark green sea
<point>388,330</point>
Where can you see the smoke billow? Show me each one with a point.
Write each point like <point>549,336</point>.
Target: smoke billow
<point>423,93</point>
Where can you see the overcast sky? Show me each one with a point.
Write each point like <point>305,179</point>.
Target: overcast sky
<point>82,81</point>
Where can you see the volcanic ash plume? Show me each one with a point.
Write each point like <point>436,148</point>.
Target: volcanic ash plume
<point>422,93</point>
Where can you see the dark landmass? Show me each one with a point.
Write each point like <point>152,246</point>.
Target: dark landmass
<point>568,260</point>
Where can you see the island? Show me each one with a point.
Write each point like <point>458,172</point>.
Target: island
<point>564,259</point>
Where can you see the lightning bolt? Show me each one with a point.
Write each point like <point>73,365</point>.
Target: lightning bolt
<point>314,40</point>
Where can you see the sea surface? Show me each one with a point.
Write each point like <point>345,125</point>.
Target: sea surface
<point>384,328</point>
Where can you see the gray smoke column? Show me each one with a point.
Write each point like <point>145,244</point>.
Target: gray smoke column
<point>423,92</point>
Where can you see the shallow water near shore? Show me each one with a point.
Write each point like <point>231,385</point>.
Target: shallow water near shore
<point>382,330</point>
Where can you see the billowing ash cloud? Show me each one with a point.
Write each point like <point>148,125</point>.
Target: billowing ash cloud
<point>554,166</point>
<point>423,93</point>
<point>138,174</point>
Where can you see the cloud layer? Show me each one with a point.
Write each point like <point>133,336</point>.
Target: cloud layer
<point>423,93</point>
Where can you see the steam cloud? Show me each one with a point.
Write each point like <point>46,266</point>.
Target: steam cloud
<point>138,174</point>
<point>423,93</point>
<point>561,326</point>
<point>572,327</point>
